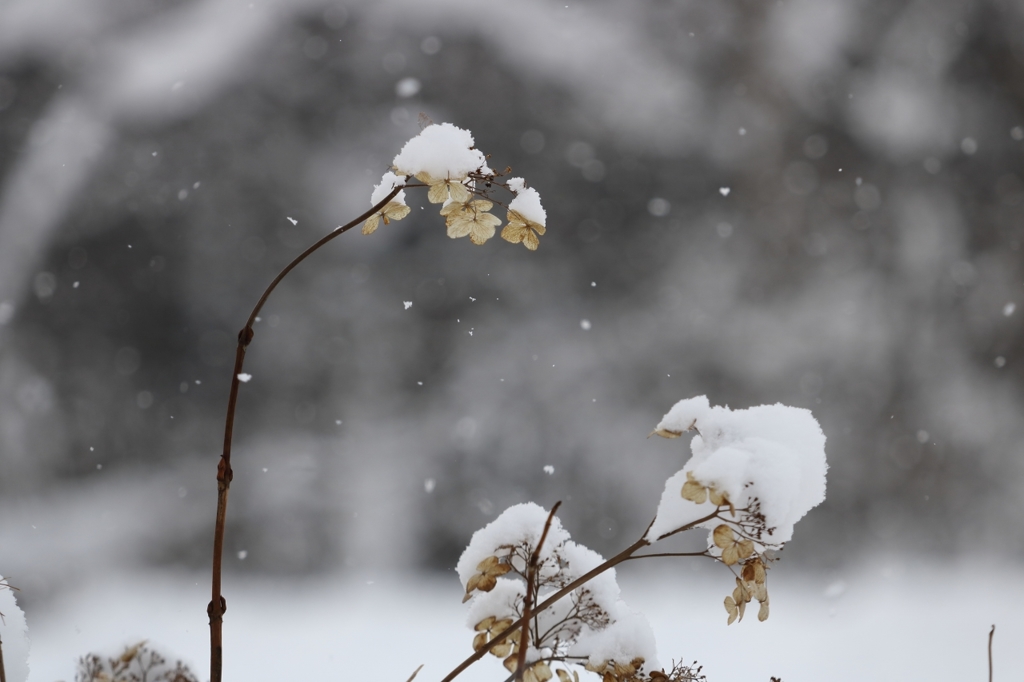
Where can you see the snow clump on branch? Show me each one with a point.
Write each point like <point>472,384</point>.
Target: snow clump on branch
<point>591,624</point>
<point>754,473</point>
<point>771,456</point>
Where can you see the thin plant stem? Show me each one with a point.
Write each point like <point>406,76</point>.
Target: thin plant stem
<point>991,633</point>
<point>661,554</point>
<point>531,577</point>
<point>218,605</point>
<point>583,579</point>
<point>3,673</point>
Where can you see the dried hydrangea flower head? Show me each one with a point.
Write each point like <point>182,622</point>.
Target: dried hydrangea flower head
<point>470,219</point>
<point>444,159</point>
<point>137,663</point>
<point>592,627</point>
<point>756,471</point>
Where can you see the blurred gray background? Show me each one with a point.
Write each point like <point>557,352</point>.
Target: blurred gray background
<point>865,263</point>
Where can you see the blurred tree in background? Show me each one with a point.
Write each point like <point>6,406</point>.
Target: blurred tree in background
<point>813,202</point>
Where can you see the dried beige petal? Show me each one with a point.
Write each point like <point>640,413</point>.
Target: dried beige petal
<point>562,675</point>
<point>730,556</point>
<point>666,433</point>
<point>510,663</point>
<point>759,591</point>
<point>485,624</point>
<point>541,671</point>
<point>395,211</point>
<point>762,613</point>
<point>732,610</point>
<point>521,230</point>
<point>740,595</point>
<point>694,491</point>
<point>438,193</point>
<point>501,625</point>
<point>746,548</point>
<point>370,226</point>
<point>459,192</point>
<point>723,536</point>
<point>502,650</point>
<point>480,641</point>
<point>719,499</point>
<point>473,582</point>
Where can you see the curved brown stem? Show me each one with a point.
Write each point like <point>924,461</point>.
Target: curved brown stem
<point>217,605</point>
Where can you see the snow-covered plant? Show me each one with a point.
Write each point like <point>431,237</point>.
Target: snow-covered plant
<point>444,160</point>
<point>543,603</point>
<point>13,636</point>
<point>760,469</point>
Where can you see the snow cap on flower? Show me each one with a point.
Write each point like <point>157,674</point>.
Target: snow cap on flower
<point>517,524</point>
<point>441,151</point>
<point>526,217</point>
<point>773,455</point>
<point>527,202</point>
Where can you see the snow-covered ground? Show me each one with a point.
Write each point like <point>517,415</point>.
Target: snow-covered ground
<point>893,618</point>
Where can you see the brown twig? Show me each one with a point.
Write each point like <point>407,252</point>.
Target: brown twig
<point>991,634</point>
<point>583,579</point>
<point>661,554</point>
<point>3,673</point>
<point>217,605</point>
<point>531,575</point>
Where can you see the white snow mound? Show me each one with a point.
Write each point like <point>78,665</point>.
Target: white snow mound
<point>441,151</point>
<point>527,202</point>
<point>388,183</point>
<point>774,454</point>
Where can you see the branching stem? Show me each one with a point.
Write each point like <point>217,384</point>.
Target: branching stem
<point>531,579</point>
<point>217,605</point>
<point>622,556</point>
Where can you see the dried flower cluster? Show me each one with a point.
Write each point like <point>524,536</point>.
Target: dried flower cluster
<point>737,540</point>
<point>137,663</point>
<point>754,473</point>
<point>591,627</point>
<point>443,158</point>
